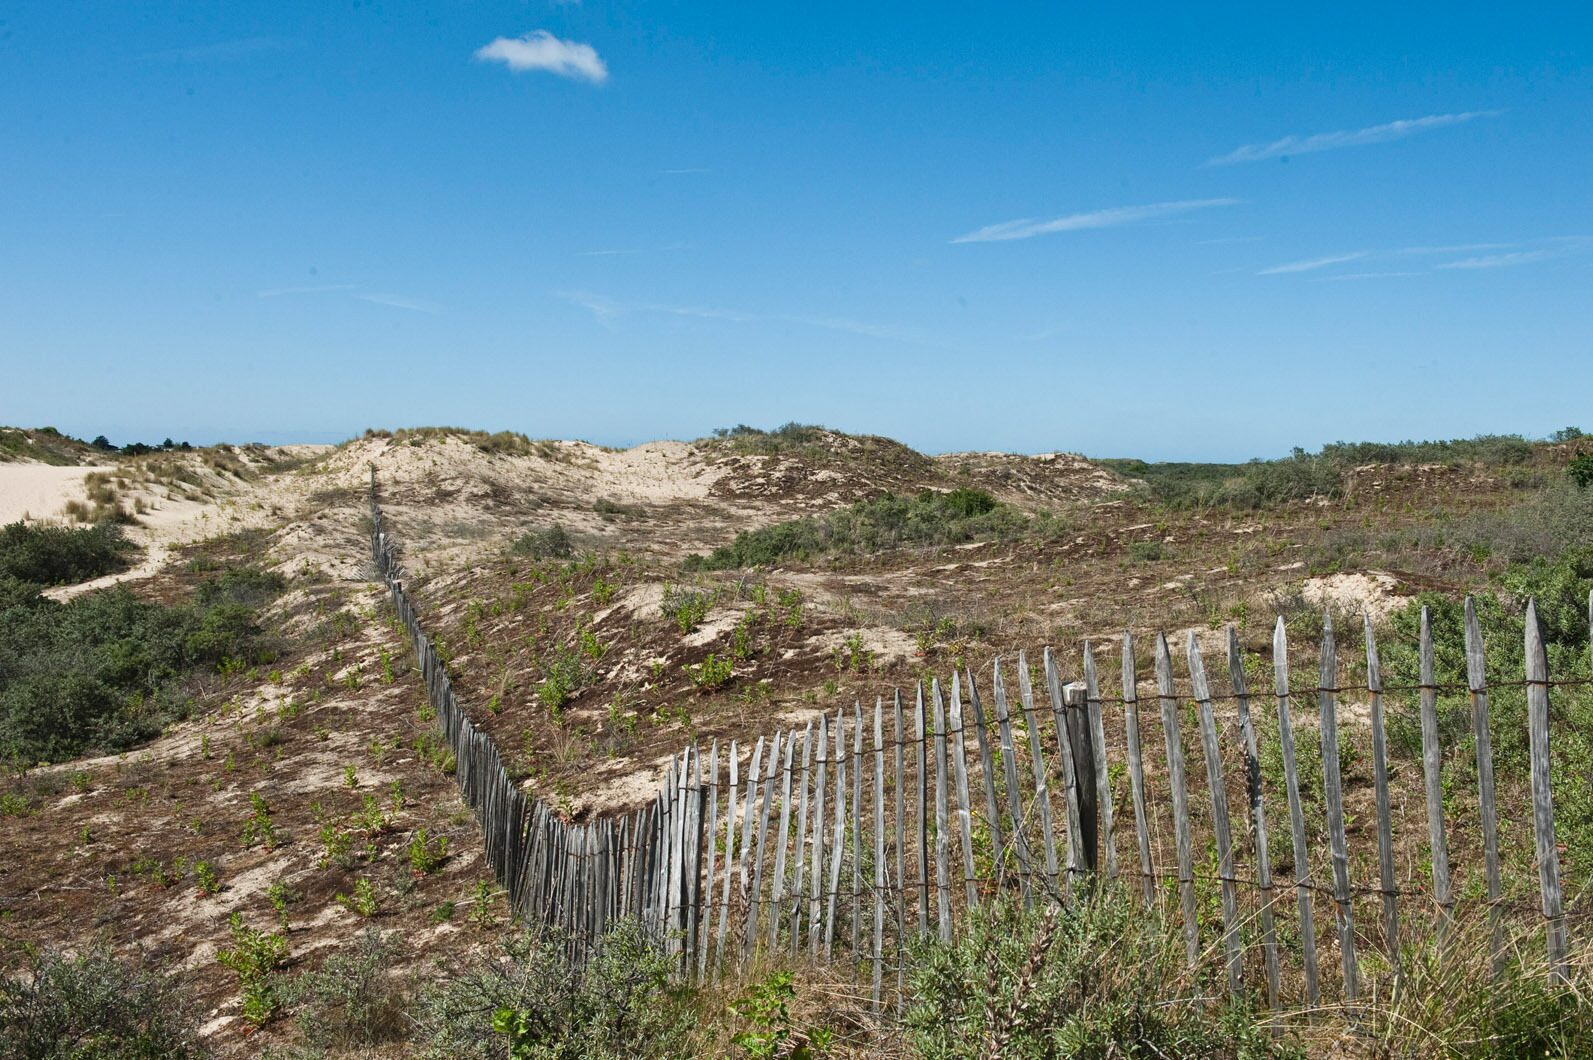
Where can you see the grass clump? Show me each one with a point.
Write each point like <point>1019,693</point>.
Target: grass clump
<point>551,542</point>
<point>353,1000</point>
<point>891,521</point>
<point>1100,979</point>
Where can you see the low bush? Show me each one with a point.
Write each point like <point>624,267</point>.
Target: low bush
<point>90,1004</point>
<point>54,555</point>
<point>551,542</point>
<point>621,1004</point>
<point>353,999</point>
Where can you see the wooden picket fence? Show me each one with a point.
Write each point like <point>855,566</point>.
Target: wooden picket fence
<point>846,840</point>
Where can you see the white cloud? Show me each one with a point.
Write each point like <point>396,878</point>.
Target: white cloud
<point>541,50</point>
<point>1332,141</point>
<point>396,302</point>
<point>1109,218</point>
<point>1312,264</point>
<point>1497,261</point>
<point>607,309</point>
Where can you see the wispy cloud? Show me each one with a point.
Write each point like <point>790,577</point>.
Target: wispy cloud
<point>356,291</point>
<point>394,301</point>
<point>1110,218</point>
<point>1312,264</point>
<point>684,171</point>
<point>1332,141</point>
<point>608,309</point>
<point>323,288</point>
<point>220,51</point>
<point>616,252</point>
<point>541,50</point>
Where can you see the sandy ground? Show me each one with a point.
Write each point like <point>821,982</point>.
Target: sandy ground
<point>38,492</point>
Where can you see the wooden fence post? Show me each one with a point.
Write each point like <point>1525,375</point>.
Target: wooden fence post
<point>1219,815</point>
<point>1548,856</point>
<point>1258,818</point>
<point>1477,683</point>
<point>1327,700</point>
<point>1291,783</point>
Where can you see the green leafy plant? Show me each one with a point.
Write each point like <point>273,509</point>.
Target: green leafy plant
<point>255,956</point>
<point>711,673</point>
<point>259,828</point>
<point>427,853</point>
<point>206,879</point>
<point>363,901</point>
<point>773,1033</point>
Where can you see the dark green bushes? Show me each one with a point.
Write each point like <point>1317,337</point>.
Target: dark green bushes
<point>106,670</point>
<point>55,555</point>
<point>92,1005</point>
<point>870,526</point>
<point>552,542</point>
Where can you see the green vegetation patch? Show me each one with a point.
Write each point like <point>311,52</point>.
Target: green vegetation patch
<point>56,555</point>
<point>887,522</point>
<point>106,670</point>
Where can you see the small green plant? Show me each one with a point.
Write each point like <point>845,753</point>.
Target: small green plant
<point>773,1033</point>
<point>206,879</point>
<point>443,913</point>
<point>258,828</point>
<point>426,853</point>
<point>1581,470</point>
<point>711,673</point>
<point>687,607</point>
<point>280,895</point>
<point>337,846</point>
<point>351,777</point>
<point>255,956</point>
<point>551,542</point>
<point>481,911</point>
<point>370,818</point>
<point>363,901</point>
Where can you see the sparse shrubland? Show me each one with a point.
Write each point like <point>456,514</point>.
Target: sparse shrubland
<point>54,555</point>
<point>91,1004</point>
<point>930,518</point>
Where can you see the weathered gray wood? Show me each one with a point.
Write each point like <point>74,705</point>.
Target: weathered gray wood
<point>691,893</point>
<point>840,832</point>
<point>755,898</point>
<point>1136,769</point>
<point>1009,770</point>
<point>1548,856</point>
<point>1258,818</point>
<point>1432,765</point>
<point>777,899</point>
<point>988,775</point>
<point>942,865</point>
<point>713,854</point>
<point>730,864</point>
<point>1332,787</point>
<point>959,758</point>
<point>1477,682</point>
<point>1171,730</point>
<point>857,824</point>
<point>879,852</point>
<point>898,894</point>
<point>1042,788</point>
<point>922,788</point>
<point>1291,784</point>
<point>749,816</point>
<point>816,885</point>
<point>799,896</point>
<point>1103,783</point>
<point>1385,826</point>
<point>1219,816</point>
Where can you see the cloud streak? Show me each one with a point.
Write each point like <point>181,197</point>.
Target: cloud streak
<point>1312,264</point>
<point>541,50</point>
<point>1115,217</point>
<point>1333,141</point>
<point>608,309</point>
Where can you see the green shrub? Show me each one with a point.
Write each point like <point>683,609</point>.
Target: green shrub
<point>548,543</point>
<point>687,607</point>
<point>353,999</point>
<point>92,1005</point>
<point>1580,470</point>
<point>563,674</point>
<point>621,1004</point>
<point>712,672</point>
<point>255,956</point>
<point>427,853</point>
<point>53,555</point>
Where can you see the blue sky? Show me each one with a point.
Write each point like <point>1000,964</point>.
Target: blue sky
<point>1173,233</point>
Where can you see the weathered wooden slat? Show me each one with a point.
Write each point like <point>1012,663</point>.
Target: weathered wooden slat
<point>1432,765</point>
<point>755,898</point>
<point>921,787</point>
<point>879,853</point>
<point>1332,787</point>
<point>782,839</point>
<point>857,826</point>
<point>959,758</point>
<point>839,847</point>
<point>1175,781</point>
<point>1547,853</point>
<point>749,813</point>
<point>1103,782</point>
<point>942,864</point>
<point>1258,818</point>
<point>713,853</point>
<point>1291,783</point>
<point>1219,816</point>
<point>1477,683</point>
<point>730,863</point>
<point>987,770</point>
<point>1009,770</point>
<point>799,896</point>
<point>1385,825</point>
<point>898,894</point>
<point>1136,770</point>
<point>1042,788</point>
<point>816,883</point>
